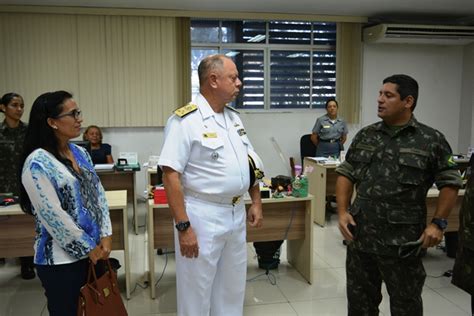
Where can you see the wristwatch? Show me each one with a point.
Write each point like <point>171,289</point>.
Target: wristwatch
<point>442,223</point>
<point>182,225</point>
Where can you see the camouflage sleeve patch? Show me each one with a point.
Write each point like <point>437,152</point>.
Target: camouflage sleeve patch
<point>185,110</point>
<point>450,161</point>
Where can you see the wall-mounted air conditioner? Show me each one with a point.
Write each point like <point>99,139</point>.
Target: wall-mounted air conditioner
<point>419,34</point>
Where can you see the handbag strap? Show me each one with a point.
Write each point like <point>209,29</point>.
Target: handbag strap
<point>92,276</point>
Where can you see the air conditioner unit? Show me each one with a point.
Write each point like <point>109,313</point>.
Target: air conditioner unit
<point>419,34</point>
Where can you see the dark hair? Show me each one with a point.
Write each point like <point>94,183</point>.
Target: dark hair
<point>84,137</point>
<point>40,135</point>
<point>331,100</point>
<point>406,86</point>
<point>8,97</point>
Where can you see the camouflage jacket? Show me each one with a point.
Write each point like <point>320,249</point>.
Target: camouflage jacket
<point>392,171</point>
<point>466,216</point>
<point>11,147</point>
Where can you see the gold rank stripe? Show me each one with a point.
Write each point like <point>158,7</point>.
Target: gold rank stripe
<point>185,110</point>
<point>209,135</point>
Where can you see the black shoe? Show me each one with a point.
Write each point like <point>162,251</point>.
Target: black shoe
<point>27,273</point>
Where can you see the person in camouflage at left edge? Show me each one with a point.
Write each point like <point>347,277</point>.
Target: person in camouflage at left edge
<point>463,272</point>
<point>392,164</point>
<point>12,134</point>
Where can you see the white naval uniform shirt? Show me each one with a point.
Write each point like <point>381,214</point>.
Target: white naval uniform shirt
<point>211,157</point>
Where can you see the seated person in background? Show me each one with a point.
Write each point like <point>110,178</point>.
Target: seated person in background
<point>329,132</point>
<point>100,153</point>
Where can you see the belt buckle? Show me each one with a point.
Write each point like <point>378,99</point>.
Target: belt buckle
<point>236,200</point>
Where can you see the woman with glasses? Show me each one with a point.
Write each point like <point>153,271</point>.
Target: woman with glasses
<point>100,152</point>
<point>61,189</point>
<point>12,134</point>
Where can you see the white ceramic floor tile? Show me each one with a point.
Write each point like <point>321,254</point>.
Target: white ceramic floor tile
<point>327,284</point>
<point>318,262</point>
<point>165,302</point>
<point>262,292</point>
<point>335,257</point>
<point>456,296</point>
<point>280,309</point>
<point>322,307</point>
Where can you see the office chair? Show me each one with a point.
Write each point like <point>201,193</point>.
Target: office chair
<point>307,148</point>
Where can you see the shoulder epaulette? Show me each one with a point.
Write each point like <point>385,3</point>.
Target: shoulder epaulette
<point>185,110</point>
<point>232,109</point>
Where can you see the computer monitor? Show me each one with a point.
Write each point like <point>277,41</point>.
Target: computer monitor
<point>82,143</point>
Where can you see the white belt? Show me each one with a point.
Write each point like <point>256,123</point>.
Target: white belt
<point>214,198</point>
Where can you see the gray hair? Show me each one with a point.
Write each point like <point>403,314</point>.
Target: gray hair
<point>208,64</point>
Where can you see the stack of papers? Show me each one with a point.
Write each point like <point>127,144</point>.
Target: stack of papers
<point>325,160</point>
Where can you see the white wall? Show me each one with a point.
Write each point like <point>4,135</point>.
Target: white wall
<point>438,70</point>
<point>466,129</point>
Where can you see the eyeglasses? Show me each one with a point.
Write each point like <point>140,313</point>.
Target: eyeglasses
<point>76,114</point>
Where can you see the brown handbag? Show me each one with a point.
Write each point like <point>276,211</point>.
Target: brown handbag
<point>101,296</point>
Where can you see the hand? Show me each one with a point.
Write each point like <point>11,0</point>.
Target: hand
<point>431,236</point>
<point>345,219</point>
<point>95,254</point>
<point>188,243</point>
<point>255,215</point>
<point>106,246</point>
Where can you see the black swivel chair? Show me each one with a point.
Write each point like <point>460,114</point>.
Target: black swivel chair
<point>307,148</point>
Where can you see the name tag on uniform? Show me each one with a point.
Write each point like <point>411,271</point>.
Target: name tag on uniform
<point>326,126</point>
<point>209,135</point>
<point>241,132</point>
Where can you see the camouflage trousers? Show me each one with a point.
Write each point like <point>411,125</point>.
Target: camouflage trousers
<point>403,277</point>
<point>463,271</point>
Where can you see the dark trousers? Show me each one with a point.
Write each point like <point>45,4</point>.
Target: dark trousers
<point>404,279</point>
<point>26,262</point>
<point>62,284</point>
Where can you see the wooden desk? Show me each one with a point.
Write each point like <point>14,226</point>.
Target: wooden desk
<point>122,180</point>
<point>277,216</point>
<point>453,218</point>
<point>17,231</point>
<point>321,183</point>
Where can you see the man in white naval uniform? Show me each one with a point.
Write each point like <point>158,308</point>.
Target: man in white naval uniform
<point>205,173</point>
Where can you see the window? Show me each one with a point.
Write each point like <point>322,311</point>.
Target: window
<point>282,64</point>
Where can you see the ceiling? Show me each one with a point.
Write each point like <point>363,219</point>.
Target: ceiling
<point>407,11</point>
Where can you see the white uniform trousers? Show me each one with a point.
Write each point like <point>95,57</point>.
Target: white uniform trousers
<point>214,283</point>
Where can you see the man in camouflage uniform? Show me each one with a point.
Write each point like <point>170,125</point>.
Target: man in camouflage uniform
<point>12,135</point>
<point>463,272</point>
<point>392,163</point>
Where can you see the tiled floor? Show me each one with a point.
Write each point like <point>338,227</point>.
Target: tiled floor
<point>289,295</point>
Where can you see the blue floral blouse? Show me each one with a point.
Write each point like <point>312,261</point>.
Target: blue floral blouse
<point>70,208</point>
